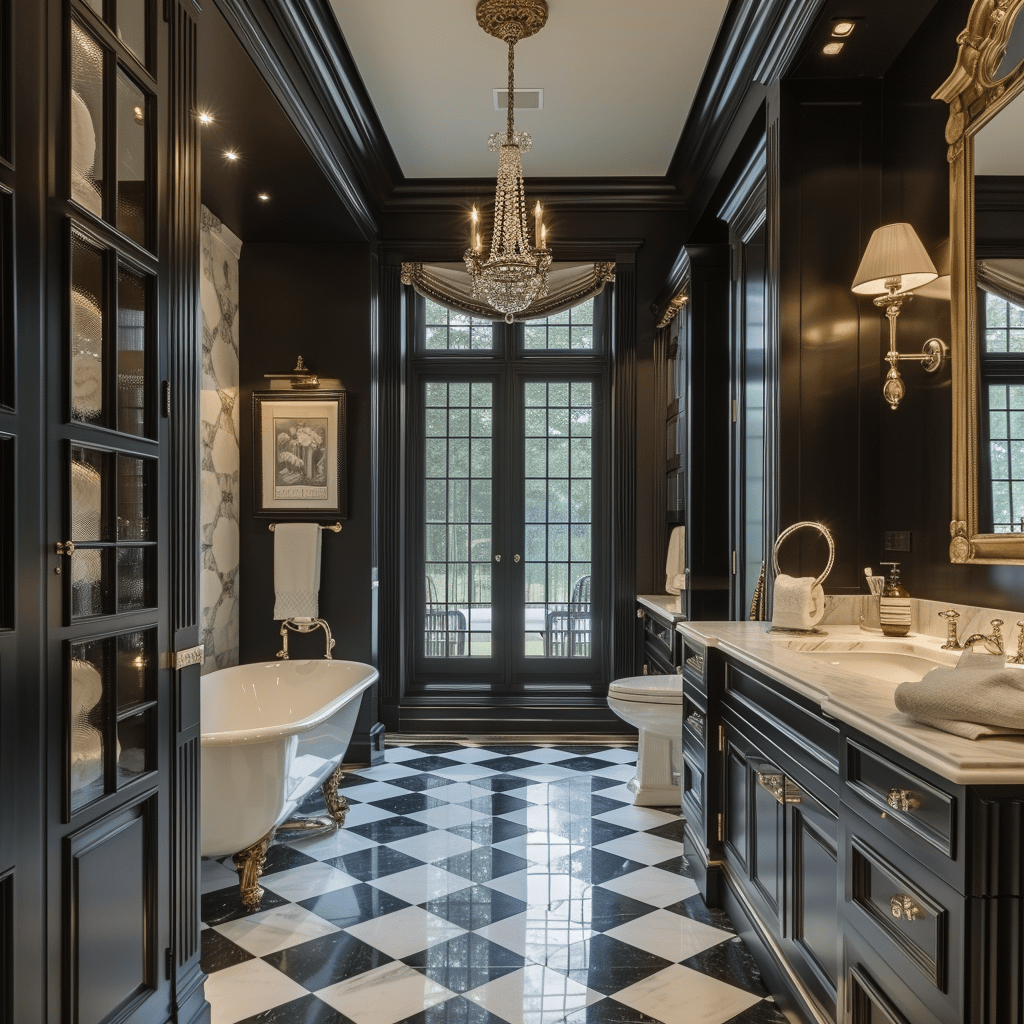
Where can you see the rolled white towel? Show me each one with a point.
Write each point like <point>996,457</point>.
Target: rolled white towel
<point>799,602</point>
<point>675,561</point>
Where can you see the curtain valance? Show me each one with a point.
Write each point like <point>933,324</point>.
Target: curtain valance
<point>1004,278</point>
<point>449,285</point>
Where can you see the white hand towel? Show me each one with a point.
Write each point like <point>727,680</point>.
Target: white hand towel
<point>296,570</point>
<point>799,602</point>
<point>675,562</point>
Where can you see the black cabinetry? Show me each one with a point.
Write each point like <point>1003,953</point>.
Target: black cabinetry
<point>660,645</point>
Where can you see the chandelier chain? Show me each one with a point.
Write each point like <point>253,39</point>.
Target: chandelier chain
<point>511,122</point>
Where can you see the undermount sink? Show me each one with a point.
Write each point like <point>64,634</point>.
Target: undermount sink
<point>893,661</point>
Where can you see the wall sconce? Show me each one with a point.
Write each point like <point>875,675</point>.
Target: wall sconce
<point>895,263</point>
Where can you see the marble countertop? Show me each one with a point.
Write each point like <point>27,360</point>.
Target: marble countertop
<point>867,704</point>
<point>665,606</point>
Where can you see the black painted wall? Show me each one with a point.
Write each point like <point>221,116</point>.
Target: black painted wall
<point>310,299</point>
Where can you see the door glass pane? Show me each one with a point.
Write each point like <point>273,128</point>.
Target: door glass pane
<point>87,127</point>
<point>86,331</point>
<point>131,158</point>
<point>131,25</point>
<point>89,685</point>
<point>131,352</point>
<point>133,494</point>
<point>558,513</point>
<point>133,747</point>
<point>89,521</point>
<point>753,411</point>
<point>458,472</point>
<point>135,665</point>
<point>447,331</point>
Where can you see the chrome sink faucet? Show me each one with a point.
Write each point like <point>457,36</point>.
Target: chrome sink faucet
<point>305,626</point>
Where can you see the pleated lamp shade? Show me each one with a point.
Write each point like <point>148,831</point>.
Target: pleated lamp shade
<point>894,251</point>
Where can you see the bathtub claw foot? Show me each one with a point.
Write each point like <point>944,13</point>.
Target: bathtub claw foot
<point>337,805</point>
<point>249,865</point>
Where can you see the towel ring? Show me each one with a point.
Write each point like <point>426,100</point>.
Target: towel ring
<point>796,526</point>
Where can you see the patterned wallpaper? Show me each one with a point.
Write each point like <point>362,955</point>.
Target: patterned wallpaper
<point>218,412</point>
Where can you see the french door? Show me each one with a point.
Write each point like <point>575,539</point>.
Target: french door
<point>509,592</point>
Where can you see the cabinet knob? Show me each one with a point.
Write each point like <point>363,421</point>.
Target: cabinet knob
<point>779,786</point>
<point>64,547</point>
<point>639,613</point>
<point>904,908</point>
<point>902,800</point>
<point>695,720</point>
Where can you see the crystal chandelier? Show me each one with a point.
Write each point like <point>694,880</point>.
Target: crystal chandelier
<point>515,273</point>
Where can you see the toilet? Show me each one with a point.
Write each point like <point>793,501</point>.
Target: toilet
<point>654,705</point>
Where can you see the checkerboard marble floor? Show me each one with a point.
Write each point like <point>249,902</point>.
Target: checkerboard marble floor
<point>480,885</point>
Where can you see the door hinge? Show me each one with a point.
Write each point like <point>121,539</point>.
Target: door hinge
<point>734,561</point>
<point>165,387</point>
<point>721,827</point>
<point>168,963</point>
<point>190,656</point>
<point>721,739</point>
<point>735,410</point>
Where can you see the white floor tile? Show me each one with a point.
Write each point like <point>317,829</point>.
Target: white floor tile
<point>363,814</point>
<point>546,773</point>
<point>678,995</point>
<point>533,995</point>
<point>335,844</point>
<point>464,772</point>
<point>375,791</point>
<point>668,935</point>
<point>433,846</point>
<point>448,816</point>
<point>278,928</point>
<point>617,755</point>
<point>405,932</point>
<point>470,755</point>
<point>640,818</point>
<point>646,849</point>
<point>420,884</point>
<point>654,886</point>
<point>535,934</point>
<point>513,884</point>
<point>622,772</point>
<point>215,875</point>
<point>247,989</point>
<point>398,754</point>
<point>545,755</point>
<point>307,880</point>
<point>384,995</point>
<point>622,793</point>
<point>388,770</point>
<point>457,793</point>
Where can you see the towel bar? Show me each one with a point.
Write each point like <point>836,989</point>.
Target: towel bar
<point>796,526</point>
<point>333,527</point>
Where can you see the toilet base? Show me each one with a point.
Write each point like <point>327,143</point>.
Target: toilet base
<point>657,779</point>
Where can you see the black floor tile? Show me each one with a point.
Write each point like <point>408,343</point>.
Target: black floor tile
<point>466,962</point>
<point>605,964</point>
<point>501,783</point>
<point>327,960</point>
<point>374,863</point>
<point>408,803</point>
<point>764,1012</point>
<point>507,763</point>
<point>353,904</point>
<point>307,1010</point>
<point>391,830</point>
<point>455,1011</point>
<point>598,866</point>
<point>421,782</point>
<point>218,951</point>
<point>608,1011</point>
<point>732,962</point>
<point>475,907</point>
<point>677,866</point>
<point>695,909</point>
<point>599,782</point>
<point>583,764</point>
<point>483,864</point>
<point>437,748</point>
<point>487,832</point>
<point>432,763</point>
<point>670,830</point>
<point>498,803</point>
<point>281,857</point>
<point>609,909</point>
<point>602,804</point>
<point>226,905</point>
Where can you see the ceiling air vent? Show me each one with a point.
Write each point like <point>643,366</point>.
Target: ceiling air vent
<point>526,99</point>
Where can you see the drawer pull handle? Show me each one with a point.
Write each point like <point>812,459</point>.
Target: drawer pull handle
<point>903,907</point>
<point>696,662</point>
<point>779,786</point>
<point>903,800</point>
<point>695,720</point>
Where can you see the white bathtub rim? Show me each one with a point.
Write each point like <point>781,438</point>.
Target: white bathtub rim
<point>224,738</point>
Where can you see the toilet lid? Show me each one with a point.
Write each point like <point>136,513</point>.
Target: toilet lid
<point>666,689</point>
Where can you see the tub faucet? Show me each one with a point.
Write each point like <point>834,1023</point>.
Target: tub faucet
<point>993,644</point>
<point>304,626</point>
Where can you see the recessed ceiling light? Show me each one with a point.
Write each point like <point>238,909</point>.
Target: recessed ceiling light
<point>831,48</point>
<point>205,117</point>
<point>843,28</point>
<point>263,197</point>
<point>230,154</point>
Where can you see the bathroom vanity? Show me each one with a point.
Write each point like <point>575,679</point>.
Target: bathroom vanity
<point>660,644</point>
<point>873,865</point>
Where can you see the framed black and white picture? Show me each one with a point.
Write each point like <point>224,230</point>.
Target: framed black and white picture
<point>299,449</point>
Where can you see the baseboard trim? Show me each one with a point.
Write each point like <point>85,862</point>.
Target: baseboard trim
<point>418,739</point>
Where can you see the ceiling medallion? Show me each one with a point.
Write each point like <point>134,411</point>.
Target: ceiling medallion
<point>515,273</point>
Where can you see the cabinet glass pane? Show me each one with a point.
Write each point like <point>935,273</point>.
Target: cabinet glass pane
<point>132,116</point>
<point>89,471</point>
<point>134,747</point>
<point>87,126</point>
<point>86,331</point>
<point>135,664</point>
<point>131,25</point>
<point>90,582</point>
<point>133,504</point>
<point>558,488</point>
<point>133,572</point>
<point>131,352</point>
<point>89,686</point>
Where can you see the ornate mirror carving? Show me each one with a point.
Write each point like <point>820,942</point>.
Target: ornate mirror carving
<point>987,78</point>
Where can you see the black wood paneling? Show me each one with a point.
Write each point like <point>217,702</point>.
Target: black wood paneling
<point>7,947</point>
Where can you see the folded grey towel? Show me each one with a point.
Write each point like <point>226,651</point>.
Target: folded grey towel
<point>970,702</point>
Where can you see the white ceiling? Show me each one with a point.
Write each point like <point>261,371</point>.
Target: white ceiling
<point>618,78</point>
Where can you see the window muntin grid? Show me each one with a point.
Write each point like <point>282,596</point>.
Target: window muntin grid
<point>448,331</point>
<point>572,330</point>
<point>558,422</point>
<point>1003,325</point>
<point>458,472</point>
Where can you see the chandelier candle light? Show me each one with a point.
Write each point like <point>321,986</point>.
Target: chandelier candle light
<point>515,273</point>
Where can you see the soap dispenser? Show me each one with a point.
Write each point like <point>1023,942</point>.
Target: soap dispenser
<point>894,604</point>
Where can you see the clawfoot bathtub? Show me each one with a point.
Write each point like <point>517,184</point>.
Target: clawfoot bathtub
<point>272,733</point>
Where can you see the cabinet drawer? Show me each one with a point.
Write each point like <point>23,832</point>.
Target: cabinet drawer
<point>884,899</point>
<point>695,721</point>
<point>693,794</point>
<point>660,639</point>
<point>693,665</point>
<point>902,799</point>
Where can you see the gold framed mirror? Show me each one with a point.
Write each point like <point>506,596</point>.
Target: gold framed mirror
<point>987,78</point>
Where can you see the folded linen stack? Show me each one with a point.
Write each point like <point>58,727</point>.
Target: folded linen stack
<point>296,570</point>
<point>799,602</point>
<point>969,700</point>
<point>675,562</point>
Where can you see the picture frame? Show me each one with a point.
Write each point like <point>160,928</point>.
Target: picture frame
<point>300,463</point>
